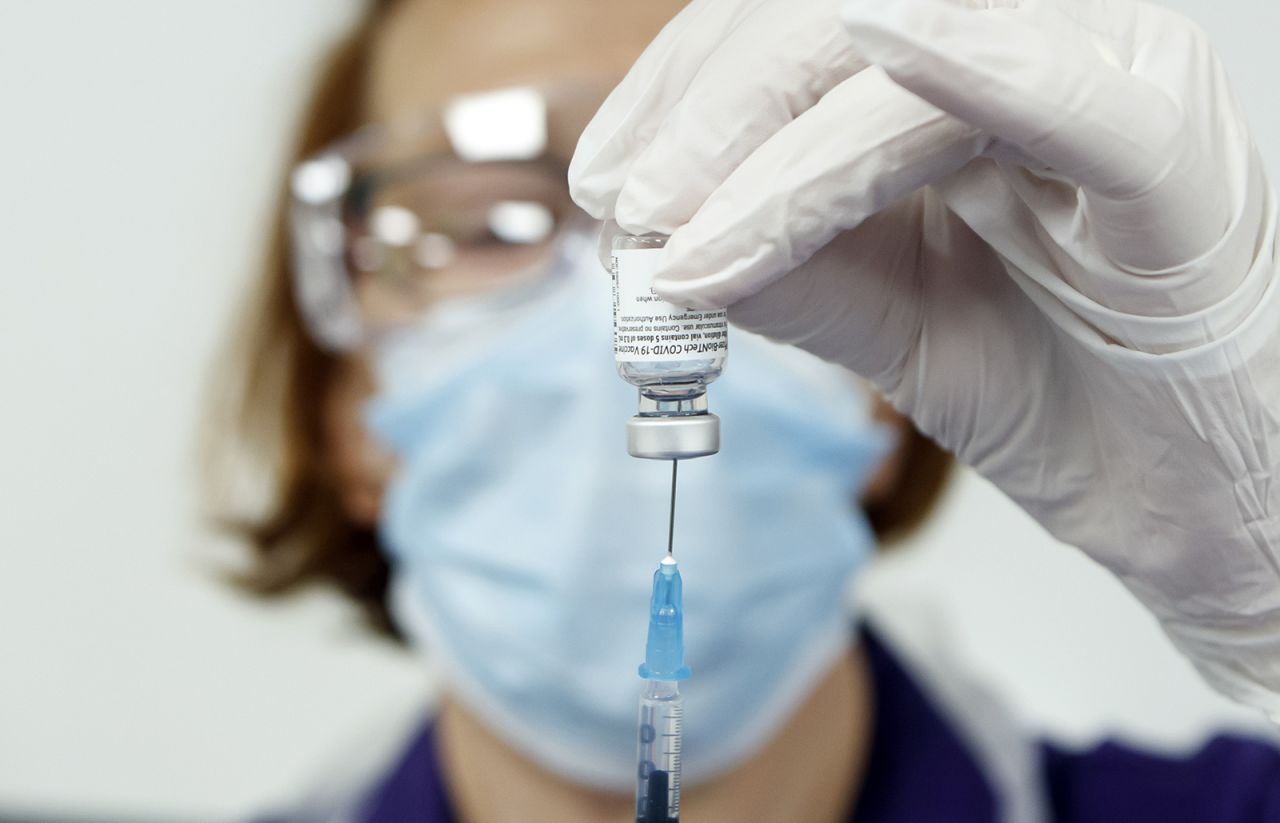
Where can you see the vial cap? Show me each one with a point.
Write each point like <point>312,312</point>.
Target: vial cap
<point>673,438</point>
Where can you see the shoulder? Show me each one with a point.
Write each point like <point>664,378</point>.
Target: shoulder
<point>930,705</point>
<point>389,773</point>
<point>1227,780</point>
<point>413,788</point>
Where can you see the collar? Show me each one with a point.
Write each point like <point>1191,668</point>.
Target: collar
<point>918,767</point>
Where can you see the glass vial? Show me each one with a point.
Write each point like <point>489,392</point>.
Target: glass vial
<point>670,353</point>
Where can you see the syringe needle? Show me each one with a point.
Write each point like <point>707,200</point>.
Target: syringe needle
<point>671,520</point>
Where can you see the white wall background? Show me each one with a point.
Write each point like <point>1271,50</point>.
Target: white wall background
<point>140,145</point>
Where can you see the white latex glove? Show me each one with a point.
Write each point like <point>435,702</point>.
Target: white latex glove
<point>1040,228</point>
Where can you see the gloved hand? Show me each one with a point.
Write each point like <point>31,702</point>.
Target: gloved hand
<point>1040,227</point>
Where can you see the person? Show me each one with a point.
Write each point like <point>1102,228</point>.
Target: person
<point>427,374</point>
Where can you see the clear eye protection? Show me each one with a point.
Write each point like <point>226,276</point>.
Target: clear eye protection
<point>465,199</point>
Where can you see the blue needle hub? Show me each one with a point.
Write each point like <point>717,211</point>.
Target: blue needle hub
<point>664,651</point>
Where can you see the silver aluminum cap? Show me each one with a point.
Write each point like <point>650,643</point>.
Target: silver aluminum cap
<point>673,438</point>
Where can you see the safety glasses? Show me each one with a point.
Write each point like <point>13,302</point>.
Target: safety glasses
<point>465,199</point>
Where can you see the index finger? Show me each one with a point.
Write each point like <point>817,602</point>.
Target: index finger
<point>632,112</point>
<point>1036,78</point>
<point>718,82</point>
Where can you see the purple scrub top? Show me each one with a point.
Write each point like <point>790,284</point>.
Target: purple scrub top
<point>920,770</point>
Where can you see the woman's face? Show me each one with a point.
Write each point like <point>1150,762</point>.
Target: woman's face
<point>426,52</point>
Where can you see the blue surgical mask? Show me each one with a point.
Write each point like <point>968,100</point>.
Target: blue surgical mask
<point>524,538</point>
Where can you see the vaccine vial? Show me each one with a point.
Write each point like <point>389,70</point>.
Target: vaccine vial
<point>670,353</point>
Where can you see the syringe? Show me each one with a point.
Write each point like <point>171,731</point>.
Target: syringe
<point>661,705</point>
<point>671,354</point>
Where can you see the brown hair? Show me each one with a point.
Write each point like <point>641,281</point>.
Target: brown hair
<point>277,379</point>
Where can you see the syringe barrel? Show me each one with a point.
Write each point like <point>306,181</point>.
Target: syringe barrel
<point>660,736</point>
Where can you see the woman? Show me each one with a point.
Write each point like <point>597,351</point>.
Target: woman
<point>439,400</point>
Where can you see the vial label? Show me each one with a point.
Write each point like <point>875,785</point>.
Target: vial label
<point>648,329</point>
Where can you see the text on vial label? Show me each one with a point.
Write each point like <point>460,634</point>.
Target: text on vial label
<point>646,328</point>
